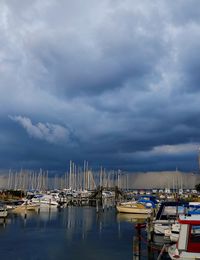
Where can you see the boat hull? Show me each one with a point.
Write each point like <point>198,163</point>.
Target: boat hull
<point>133,210</point>
<point>23,208</point>
<point>134,218</point>
<point>174,254</point>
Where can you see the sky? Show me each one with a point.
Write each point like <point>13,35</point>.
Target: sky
<point>116,83</point>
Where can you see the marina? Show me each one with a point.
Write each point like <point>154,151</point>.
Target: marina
<point>87,214</point>
<point>102,223</point>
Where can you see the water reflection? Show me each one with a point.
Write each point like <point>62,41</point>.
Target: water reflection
<point>137,245</point>
<point>133,218</point>
<point>141,248</point>
<point>73,233</point>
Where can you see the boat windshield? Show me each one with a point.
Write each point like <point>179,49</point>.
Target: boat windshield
<point>171,210</point>
<point>195,234</point>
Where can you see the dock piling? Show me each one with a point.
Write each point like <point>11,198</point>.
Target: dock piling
<point>97,206</point>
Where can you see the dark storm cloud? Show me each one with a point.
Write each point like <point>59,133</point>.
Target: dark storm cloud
<point>116,83</point>
<point>116,53</point>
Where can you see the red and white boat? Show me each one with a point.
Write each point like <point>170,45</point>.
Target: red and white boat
<point>188,245</point>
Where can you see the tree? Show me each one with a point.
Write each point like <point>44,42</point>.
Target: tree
<point>197,187</point>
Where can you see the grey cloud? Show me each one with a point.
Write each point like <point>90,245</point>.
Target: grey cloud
<point>183,12</point>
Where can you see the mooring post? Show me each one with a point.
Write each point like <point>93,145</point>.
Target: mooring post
<point>103,204</point>
<point>107,203</point>
<point>25,215</point>
<point>5,215</point>
<point>4,219</point>
<point>38,211</point>
<point>49,204</point>
<point>149,229</point>
<point>97,206</point>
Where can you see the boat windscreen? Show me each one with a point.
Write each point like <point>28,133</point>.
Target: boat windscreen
<point>195,234</point>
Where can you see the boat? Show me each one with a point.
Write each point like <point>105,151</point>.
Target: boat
<point>173,232</point>
<point>188,245</point>
<point>130,202</point>
<point>167,215</point>
<point>26,206</point>
<point>136,208</point>
<point>144,205</point>
<point>192,209</point>
<point>45,200</point>
<point>107,194</point>
<point>3,211</point>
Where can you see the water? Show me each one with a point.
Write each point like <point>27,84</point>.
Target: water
<point>72,233</point>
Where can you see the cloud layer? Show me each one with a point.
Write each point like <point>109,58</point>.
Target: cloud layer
<point>117,82</point>
<point>51,133</point>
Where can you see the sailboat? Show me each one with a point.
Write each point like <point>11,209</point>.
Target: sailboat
<point>144,205</point>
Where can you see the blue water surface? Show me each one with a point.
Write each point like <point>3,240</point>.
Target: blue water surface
<point>73,233</point>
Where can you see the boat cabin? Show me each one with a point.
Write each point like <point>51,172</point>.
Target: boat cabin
<point>189,239</point>
<point>171,210</point>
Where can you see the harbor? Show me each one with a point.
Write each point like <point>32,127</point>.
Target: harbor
<point>104,222</point>
<point>86,214</point>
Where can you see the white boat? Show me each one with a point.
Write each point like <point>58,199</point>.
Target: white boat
<point>188,245</point>
<point>84,193</point>
<point>107,194</point>
<point>162,227</point>
<point>3,211</point>
<point>167,216</point>
<point>174,230</point>
<point>26,206</point>
<point>45,200</point>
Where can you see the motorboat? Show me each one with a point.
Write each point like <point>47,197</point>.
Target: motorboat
<point>45,200</point>
<point>188,245</point>
<point>27,205</point>
<point>107,194</point>
<point>144,205</point>
<point>192,209</point>
<point>167,215</point>
<point>173,232</point>
<point>136,208</point>
<point>10,205</point>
